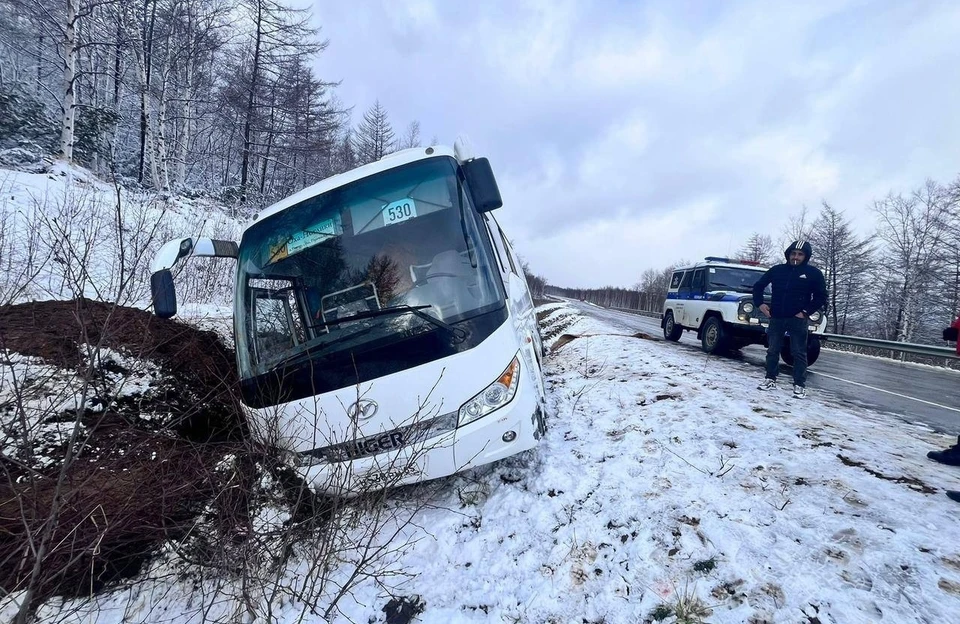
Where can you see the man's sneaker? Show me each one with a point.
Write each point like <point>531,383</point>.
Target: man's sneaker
<point>950,456</point>
<point>799,392</point>
<point>768,384</point>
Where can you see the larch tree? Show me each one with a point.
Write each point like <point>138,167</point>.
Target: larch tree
<point>841,256</point>
<point>758,248</point>
<point>374,136</point>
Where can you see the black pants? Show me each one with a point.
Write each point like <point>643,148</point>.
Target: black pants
<point>798,347</point>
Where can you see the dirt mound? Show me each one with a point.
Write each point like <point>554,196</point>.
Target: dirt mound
<point>131,469</point>
<point>113,513</point>
<point>199,372</point>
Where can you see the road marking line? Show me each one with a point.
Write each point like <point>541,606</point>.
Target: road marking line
<point>897,394</point>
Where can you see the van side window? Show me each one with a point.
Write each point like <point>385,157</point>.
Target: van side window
<point>698,280</point>
<point>687,279</point>
<point>675,280</point>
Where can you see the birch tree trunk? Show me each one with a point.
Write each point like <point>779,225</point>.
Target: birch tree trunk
<point>251,101</point>
<point>69,81</point>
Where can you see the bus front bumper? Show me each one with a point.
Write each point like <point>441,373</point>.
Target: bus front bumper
<point>514,428</point>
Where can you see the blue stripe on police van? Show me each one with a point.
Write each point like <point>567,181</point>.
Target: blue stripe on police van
<point>698,297</point>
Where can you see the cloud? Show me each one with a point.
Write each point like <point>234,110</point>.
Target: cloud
<point>592,250</point>
<point>792,161</point>
<point>608,123</point>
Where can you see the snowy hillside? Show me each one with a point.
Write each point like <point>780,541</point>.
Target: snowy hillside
<point>66,233</point>
<point>666,489</point>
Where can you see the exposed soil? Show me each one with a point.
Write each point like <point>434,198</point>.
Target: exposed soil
<point>199,371</point>
<point>145,465</point>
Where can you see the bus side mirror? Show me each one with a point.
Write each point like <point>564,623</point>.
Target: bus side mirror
<point>482,184</point>
<point>164,294</point>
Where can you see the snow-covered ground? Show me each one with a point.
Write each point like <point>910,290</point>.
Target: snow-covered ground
<point>62,235</point>
<point>667,488</point>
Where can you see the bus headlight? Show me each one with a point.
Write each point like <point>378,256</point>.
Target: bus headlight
<point>748,307</point>
<point>815,317</point>
<point>493,397</point>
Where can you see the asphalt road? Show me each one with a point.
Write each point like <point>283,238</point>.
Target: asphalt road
<point>913,393</point>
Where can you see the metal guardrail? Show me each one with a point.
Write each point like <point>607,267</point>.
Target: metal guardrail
<point>891,345</point>
<point>656,315</point>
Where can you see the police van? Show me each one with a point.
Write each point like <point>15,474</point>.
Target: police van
<point>715,299</point>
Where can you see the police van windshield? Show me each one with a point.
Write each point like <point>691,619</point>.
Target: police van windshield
<point>388,257</point>
<point>736,279</point>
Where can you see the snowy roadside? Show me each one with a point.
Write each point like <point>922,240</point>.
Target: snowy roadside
<point>666,488</point>
<point>667,481</point>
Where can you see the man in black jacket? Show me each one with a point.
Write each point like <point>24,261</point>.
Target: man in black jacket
<point>799,290</point>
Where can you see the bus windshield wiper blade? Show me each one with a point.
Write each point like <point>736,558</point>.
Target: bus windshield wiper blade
<point>402,309</point>
<point>298,358</point>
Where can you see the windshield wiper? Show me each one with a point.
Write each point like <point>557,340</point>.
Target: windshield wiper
<point>417,311</point>
<point>301,357</point>
<point>734,288</point>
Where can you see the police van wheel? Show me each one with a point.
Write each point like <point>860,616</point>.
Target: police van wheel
<point>813,350</point>
<point>785,353</point>
<point>712,336</point>
<point>671,331</point>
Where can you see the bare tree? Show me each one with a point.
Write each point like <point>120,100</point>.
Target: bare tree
<point>914,229</point>
<point>536,283</point>
<point>759,248</point>
<point>842,257</point>
<point>653,287</point>
<point>798,227</point>
<point>411,138</point>
<point>950,286</point>
<point>374,136</point>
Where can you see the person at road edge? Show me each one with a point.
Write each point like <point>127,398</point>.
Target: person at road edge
<point>950,456</point>
<point>799,290</point>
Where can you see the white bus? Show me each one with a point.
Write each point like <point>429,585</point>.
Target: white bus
<point>384,331</point>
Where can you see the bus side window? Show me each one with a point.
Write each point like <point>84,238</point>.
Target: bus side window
<point>506,246</point>
<point>497,249</point>
<point>675,280</point>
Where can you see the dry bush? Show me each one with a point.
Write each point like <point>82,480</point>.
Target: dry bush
<point>126,471</point>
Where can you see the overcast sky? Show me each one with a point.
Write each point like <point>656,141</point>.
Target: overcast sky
<point>628,135</point>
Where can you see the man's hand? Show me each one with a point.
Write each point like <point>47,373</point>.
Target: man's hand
<point>765,309</point>
<point>800,315</point>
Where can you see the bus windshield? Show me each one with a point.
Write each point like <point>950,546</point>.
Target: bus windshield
<point>387,257</point>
